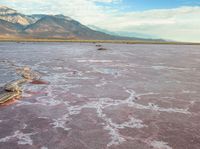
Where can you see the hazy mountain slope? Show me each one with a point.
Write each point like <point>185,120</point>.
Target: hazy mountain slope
<point>13,23</point>
<point>13,16</point>
<point>5,10</point>
<point>60,26</point>
<point>123,34</point>
<point>9,28</point>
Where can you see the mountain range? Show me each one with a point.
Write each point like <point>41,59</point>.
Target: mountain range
<point>17,25</point>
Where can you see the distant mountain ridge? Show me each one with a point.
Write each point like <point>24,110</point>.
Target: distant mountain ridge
<point>15,24</point>
<point>6,11</point>
<point>123,33</point>
<point>13,16</point>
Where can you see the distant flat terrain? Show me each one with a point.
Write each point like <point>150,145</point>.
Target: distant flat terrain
<point>18,40</point>
<point>130,96</point>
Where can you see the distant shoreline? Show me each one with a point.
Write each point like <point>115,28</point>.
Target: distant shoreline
<point>97,41</point>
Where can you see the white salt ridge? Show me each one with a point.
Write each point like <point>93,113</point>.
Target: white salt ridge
<point>171,68</point>
<point>152,106</point>
<point>145,94</point>
<point>113,128</point>
<point>109,71</point>
<point>57,68</point>
<point>46,101</point>
<point>24,126</point>
<point>132,96</point>
<point>188,92</point>
<point>109,125</point>
<point>102,83</point>
<point>44,147</point>
<point>62,77</point>
<point>94,61</point>
<point>157,108</point>
<point>81,78</point>
<point>60,122</point>
<point>55,78</point>
<point>132,123</point>
<point>131,103</point>
<point>99,105</point>
<point>158,67</point>
<point>23,103</point>
<point>68,71</point>
<point>160,145</point>
<point>116,139</point>
<point>50,99</point>
<point>21,137</point>
<point>168,97</point>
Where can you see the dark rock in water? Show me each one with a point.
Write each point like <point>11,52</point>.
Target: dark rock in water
<point>98,45</point>
<point>100,49</point>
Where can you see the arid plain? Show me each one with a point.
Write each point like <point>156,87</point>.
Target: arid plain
<point>130,96</point>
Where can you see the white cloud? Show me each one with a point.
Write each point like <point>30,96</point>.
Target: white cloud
<point>178,24</point>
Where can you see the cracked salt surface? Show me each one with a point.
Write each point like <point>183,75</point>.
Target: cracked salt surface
<point>119,80</point>
<point>109,125</point>
<point>99,104</point>
<point>113,128</point>
<point>21,137</point>
<point>160,145</point>
<point>61,122</point>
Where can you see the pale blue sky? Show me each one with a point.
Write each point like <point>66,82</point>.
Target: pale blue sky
<point>141,5</point>
<point>170,19</point>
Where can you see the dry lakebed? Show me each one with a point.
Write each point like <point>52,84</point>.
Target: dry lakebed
<point>128,96</point>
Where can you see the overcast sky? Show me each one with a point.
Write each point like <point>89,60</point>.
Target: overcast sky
<point>170,19</point>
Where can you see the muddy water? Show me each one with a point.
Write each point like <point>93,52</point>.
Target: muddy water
<point>127,97</point>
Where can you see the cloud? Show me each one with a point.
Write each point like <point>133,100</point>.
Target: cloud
<point>177,24</point>
<point>181,24</point>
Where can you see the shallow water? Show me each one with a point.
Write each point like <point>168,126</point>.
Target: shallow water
<point>130,96</point>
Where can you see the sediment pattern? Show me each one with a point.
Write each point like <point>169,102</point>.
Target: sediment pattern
<point>129,96</point>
